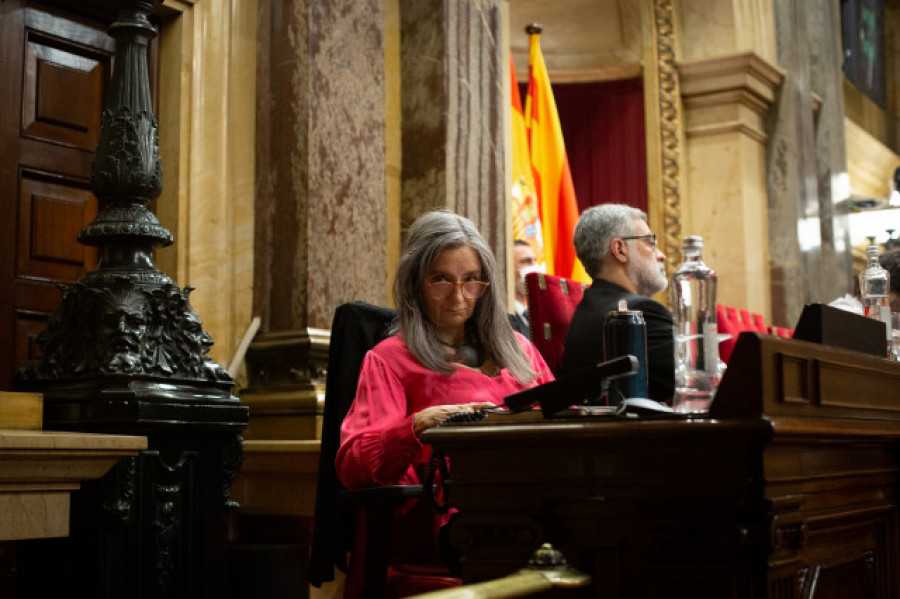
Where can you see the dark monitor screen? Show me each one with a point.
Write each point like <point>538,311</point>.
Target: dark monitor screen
<point>828,325</point>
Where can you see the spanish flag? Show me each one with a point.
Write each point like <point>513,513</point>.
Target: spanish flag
<point>550,168</point>
<point>526,209</point>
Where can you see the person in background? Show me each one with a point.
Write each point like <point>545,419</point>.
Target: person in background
<point>618,250</point>
<point>452,350</point>
<point>524,261</point>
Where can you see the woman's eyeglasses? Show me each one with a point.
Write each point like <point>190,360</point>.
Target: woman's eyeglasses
<point>471,289</point>
<point>650,238</point>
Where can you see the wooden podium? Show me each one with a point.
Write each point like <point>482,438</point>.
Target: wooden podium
<point>788,489</point>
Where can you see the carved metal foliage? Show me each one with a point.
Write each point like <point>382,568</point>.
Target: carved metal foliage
<point>167,533</point>
<point>125,221</point>
<point>232,455</point>
<point>127,157</point>
<point>124,328</point>
<point>119,504</point>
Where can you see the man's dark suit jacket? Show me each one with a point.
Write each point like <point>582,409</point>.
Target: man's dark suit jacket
<point>520,324</point>
<point>584,341</point>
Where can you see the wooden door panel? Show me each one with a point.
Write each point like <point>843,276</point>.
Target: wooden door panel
<point>63,86</point>
<point>51,213</point>
<point>55,79</point>
<point>28,324</point>
<point>35,296</point>
<point>35,155</point>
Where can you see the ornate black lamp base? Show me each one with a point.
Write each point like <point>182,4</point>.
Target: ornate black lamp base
<point>125,353</point>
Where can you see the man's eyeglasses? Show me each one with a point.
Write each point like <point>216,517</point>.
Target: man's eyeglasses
<point>471,289</point>
<point>650,238</point>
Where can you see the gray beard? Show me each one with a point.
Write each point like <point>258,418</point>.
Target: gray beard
<point>647,278</point>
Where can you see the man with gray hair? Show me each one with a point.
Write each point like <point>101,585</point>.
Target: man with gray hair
<point>618,250</point>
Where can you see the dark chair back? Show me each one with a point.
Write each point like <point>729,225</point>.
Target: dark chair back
<point>361,520</point>
<point>356,328</point>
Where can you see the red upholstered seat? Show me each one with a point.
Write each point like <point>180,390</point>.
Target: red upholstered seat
<point>781,332</point>
<point>757,322</point>
<point>725,323</point>
<point>551,304</point>
<point>733,321</point>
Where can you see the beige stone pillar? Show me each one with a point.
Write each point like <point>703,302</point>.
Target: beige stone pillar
<point>728,74</point>
<point>206,114</point>
<point>805,229</point>
<point>725,103</point>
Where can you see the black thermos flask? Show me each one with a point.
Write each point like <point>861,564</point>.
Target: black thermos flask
<point>624,332</point>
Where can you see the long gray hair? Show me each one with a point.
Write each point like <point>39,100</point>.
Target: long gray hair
<point>431,234</point>
<point>597,227</point>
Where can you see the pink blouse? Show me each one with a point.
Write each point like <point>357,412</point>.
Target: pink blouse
<point>378,444</point>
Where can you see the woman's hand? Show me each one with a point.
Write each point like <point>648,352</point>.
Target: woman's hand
<point>433,416</point>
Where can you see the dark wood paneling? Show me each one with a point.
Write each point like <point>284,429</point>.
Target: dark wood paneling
<point>59,60</point>
<point>50,216</point>
<point>62,90</point>
<point>769,497</point>
<point>27,327</point>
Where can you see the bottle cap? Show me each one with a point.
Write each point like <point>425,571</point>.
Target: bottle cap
<point>692,242</point>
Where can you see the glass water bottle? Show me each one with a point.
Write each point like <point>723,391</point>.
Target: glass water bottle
<point>698,368</point>
<point>875,288</point>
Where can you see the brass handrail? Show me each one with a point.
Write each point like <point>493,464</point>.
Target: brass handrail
<point>547,569</point>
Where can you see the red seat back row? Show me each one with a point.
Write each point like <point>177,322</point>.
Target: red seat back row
<point>733,321</point>
<point>551,303</point>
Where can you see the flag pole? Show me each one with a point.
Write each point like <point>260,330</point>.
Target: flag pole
<point>550,167</point>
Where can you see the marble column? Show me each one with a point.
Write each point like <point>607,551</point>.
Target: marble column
<point>832,182</point>
<point>321,207</point>
<point>452,106</point>
<point>808,189</point>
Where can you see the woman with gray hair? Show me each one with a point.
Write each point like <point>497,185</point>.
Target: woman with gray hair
<point>453,350</point>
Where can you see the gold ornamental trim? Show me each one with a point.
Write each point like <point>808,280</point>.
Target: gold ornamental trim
<point>669,115</point>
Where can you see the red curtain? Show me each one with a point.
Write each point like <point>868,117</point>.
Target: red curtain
<point>603,127</point>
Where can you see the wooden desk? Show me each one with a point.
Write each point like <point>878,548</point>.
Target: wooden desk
<point>40,469</point>
<point>788,489</point>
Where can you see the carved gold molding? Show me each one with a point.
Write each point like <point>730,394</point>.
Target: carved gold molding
<point>668,113</point>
